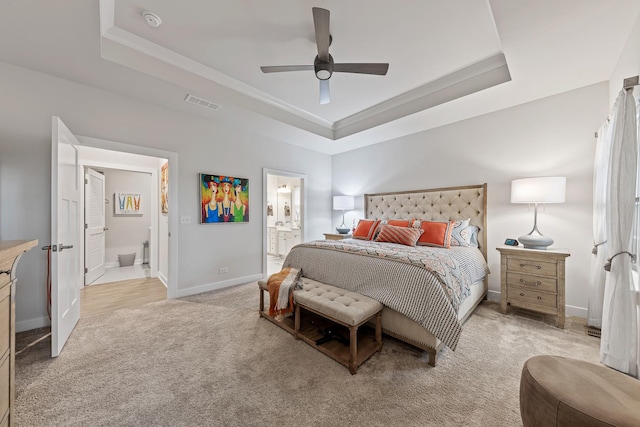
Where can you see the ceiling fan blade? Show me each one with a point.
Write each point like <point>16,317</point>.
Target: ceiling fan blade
<point>280,68</point>
<point>325,96</point>
<point>362,68</point>
<point>321,24</point>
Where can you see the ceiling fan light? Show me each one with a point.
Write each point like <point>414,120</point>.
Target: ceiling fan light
<point>323,74</point>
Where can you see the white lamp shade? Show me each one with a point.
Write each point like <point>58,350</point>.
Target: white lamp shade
<point>343,203</point>
<point>550,189</point>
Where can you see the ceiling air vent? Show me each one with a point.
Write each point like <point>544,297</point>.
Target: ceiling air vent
<point>201,102</point>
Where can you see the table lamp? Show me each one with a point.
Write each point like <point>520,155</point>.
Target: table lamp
<point>343,203</point>
<point>537,190</point>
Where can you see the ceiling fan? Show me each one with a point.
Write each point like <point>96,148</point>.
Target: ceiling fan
<point>323,65</point>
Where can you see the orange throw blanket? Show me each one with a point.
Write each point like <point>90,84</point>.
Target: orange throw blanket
<point>281,286</point>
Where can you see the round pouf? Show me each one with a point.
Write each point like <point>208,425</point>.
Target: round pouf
<point>559,391</point>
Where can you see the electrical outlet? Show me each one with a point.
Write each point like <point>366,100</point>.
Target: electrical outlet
<point>223,270</point>
<point>185,219</point>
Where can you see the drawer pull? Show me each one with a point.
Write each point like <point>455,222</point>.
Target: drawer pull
<point>539,297</point>
<point>5,272</point>
<point>531,265</point>
<point>536,283</point>
<point>521,294</point>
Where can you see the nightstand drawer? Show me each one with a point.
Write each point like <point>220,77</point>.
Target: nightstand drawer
<point>531,266</point>
<point>519,295</point>
<point>536,283</point>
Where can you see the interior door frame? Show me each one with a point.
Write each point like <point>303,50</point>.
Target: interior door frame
<point>154,204</point>
<point>303,207</point>
<point>173,214</point>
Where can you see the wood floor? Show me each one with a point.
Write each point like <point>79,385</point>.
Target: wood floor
<point>97,299</point>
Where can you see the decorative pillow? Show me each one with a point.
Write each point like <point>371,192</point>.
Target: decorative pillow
<point>399,222</point>
<point>402,235</point>
<point>473,236</point>
<point>460,235</point>
<point>436,233</point>
<point>365,229</point>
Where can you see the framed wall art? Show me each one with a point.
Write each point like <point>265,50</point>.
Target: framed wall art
<point>128,204</point>
<point>164,188</point>
<point>223,199</point>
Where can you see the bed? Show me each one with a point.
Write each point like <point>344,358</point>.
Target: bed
<point>419,307</point>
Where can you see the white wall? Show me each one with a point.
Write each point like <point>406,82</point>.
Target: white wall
<point>551,136</point>
<point>125,233</point>
<point>28,101</point>
<point>628,65</point>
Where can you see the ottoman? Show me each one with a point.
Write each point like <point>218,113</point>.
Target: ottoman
<point>559,391</point>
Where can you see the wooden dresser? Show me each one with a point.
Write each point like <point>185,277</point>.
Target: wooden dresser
<point>10,253</point>
<point>533,279</point>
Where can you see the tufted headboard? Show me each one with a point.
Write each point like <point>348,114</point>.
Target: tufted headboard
<point>438,204</point>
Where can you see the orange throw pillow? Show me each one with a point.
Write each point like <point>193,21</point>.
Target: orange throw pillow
<point>365,229</point>
<point>402,235</point>
<point>399,222</point>
<point>436,233</point>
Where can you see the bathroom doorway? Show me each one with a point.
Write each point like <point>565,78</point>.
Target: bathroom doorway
<point>126,230</point>
<point>284,216</point>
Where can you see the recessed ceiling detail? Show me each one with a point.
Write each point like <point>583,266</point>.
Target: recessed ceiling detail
<point>222,67</point>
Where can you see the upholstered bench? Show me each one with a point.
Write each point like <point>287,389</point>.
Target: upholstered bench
<point>559,391</point>
<point>340,307</point>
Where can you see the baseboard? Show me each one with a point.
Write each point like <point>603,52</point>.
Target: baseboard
<point>27,325</point>
<point>117,264</point>
<point>493,295</point>
<point>569,310</point>
<point>163,279</point>
<point>217,285</point>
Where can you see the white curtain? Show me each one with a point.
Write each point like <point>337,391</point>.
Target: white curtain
<point>618,346</point>
<point>599,258</point>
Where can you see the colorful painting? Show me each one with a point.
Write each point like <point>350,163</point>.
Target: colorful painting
<point>164,188</point>
<point>223,199</point>
<point>128,204</point>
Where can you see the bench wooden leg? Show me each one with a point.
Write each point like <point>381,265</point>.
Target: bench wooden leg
<point>432,357</point>
<point>261,301</point>
<point>379,330</point>
<point>353,343</point>
<point>296,327</point>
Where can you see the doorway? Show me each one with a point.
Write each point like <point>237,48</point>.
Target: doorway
<point>284,216</point>
<point>67,248</point>
<point>125,258</point>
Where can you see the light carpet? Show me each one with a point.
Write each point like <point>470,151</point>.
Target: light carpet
<point>209,360</point>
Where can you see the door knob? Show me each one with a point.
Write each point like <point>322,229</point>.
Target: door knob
<point>62,247</point>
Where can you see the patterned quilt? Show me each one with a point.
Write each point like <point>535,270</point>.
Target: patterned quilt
<point>423,283</point>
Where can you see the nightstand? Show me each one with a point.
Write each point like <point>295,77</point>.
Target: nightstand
<point>534,280</point>
<point>336,236</point>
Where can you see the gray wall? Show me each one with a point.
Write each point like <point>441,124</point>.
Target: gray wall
<point>28,101</point>
<point>551,136</point>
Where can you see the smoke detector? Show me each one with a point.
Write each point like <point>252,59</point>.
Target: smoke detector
<point>152,19</point>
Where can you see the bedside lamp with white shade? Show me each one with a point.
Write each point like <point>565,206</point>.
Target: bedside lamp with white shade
<point>538,190</point>
<point>343,203</point>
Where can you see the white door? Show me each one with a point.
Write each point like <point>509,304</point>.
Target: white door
<point>94,225</point>
<point>66,267</point>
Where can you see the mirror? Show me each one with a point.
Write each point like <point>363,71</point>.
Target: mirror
<point>296,203</point>
<point>284,204</point>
